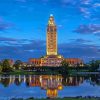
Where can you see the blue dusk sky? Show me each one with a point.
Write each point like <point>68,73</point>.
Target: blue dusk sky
<point>23,26</point>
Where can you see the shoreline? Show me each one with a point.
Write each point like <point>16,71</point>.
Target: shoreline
<point>65,98</point>
<point>18,72</point>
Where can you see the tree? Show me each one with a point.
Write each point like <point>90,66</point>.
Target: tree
<point>6,66</point>
<point>94,64</point>
<point>0,66</point>
<point>17,64</point>
<point>64,63</point>
<point>97,63</point>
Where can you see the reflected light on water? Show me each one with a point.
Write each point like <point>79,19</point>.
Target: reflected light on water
<point>52,84</point>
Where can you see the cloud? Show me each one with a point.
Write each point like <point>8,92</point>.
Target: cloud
<point>87,8</point>
<point>21,41</point>
<point>45,1</point>
<point>12,41</point>
<point>60,26</point>
<point>5,26</point>
<point>34,45</point>
<point>23,1</point>
<point>96,5</point>
<point>1,19</point>
<point>7,39</point>
<point>80,40</point>
<point>66,2</point>
<point>85,12</point>
<point>84,51</point>
<point>88,29</point>
<point>85,2</point>
<point>37,48</point>
<point>20,50</point>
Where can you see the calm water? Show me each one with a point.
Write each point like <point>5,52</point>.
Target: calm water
<point>42,86</point>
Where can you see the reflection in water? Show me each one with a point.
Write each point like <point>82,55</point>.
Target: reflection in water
<point>51,83</point>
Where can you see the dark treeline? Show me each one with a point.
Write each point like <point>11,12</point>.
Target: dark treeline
<point>7,66</point>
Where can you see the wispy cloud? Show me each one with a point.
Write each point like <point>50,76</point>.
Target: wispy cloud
<point>1,20</point>
<point>5,25</point>
<point>21,48</point>
<point>87,8</point>
<point>21,1</point>
<point>37,48</point>
<point>80,41</point>
<point>96,5</point>
<point>85,12</point>
<point>88,29</point>
<point>86,2</point>
<point>79,50</point>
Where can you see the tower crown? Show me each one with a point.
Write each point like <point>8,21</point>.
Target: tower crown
<point>51,15</point>
<point>51,20</point>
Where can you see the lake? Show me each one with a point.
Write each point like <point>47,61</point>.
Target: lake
<point>43,86</point>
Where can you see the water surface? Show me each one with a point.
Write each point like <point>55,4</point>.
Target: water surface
<point>43,86</point>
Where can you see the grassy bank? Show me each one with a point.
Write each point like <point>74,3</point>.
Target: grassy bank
<point>60,99</point>
<point>21,72</point>
<point>17,72</point>
<point>49,70</point>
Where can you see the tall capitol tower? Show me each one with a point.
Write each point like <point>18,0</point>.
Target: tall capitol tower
<point>51,37</point>
<point>52,58</point>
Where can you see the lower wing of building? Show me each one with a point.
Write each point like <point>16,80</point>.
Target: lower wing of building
<point>55,61</point>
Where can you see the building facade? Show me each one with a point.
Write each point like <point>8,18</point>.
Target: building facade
<point>52,60</point>
<point>51,37</point>
<point>35,62</point>
<point>52,57</point>
<point>74,61</point>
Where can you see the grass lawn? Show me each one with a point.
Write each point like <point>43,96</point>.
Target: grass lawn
<point>61,99</point>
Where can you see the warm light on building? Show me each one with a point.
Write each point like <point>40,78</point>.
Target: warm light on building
<point>52,58</point>
<point>51,37</point>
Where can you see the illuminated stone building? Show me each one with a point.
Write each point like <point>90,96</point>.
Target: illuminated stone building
<point>35,61</point>
<point>51,60</point>
<point>51,37</point>
<point>74,61</point>
<point>52,57</point>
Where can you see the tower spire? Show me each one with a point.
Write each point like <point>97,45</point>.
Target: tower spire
<point>51,20</point>
<point>51,15</point>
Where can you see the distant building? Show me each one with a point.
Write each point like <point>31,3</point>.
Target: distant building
<point>74,61</point>
<point>35,61</point>
<point>52,60</point>
<point>52,57</point>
